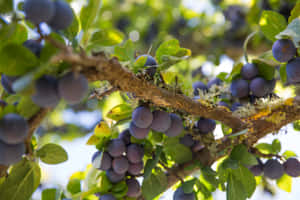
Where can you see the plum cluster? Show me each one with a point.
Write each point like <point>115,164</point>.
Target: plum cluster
<point>273,169</point>
<point>48,90</point>
<point>122,160</point>
<point>13,132</point>
<point>57,14</point>
<point>179,194</point>
<point>284,50</point>
<point>160,121</point>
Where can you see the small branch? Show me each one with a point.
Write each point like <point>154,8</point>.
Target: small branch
<point>99,96</point>
<point>259,154</point>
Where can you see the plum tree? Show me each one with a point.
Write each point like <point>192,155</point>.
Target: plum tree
<point>239,88</point>
<point>259,87</point>
<point>249,71</point>
<point>273,169</point>
<point>135,153</point>
<point>113,176</point>
<point>293,70</point>
<point>46,92</point>
<point>284,50</point>
<point>125,136</point>
<point>7,82</point>
<point>139,133</point>
<point>73,87</point>
<point>134,188</point>
<point>34,46</point>
<point>116,147</point>
<point>38,11</point>
<point>205,125</point>
<point>11,153</point>
<point>101,160</point>
<point>13,129</point>
<point>135,168</point>
<point>176,126</point>
<point>180,195</point>
<point>187,140</point>
<point>142,117</point>
<point>161,121</point>
<point>199,86</point>
<point>292,167</point>
<point>107,197</point>
<point>120,164</point>
<point>63,16</point>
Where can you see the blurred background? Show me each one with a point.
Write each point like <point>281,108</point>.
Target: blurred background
<point>213,29</point>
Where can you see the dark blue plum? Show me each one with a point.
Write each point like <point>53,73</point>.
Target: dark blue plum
<point>271,85</point>
<point>292,167</point>
<point>151,64</point>
<point>206,125</point>
<point>134,188</point>
<point>256,170</point>
<point>249,71</point>
<point>13,129</point>
<point>3,103</point>
<point>259,87</point>
<point>176,126</point>
<point>293,70</point>
<point>284,50</point>
<point>187,140</point>
<point>142,117</point>
<point>161,121</point>
<point>46,92</point>
<point>273,169</point>
<point>11,153</point>
<point>199,86</point>
<point>38,11</point>
<point>125,136</point>
<point>34,46</point>
<point>135,168</point>
<point>63,16</point>
<point>180,195</point>
<point>7,82</point>
<point>239,88</point>
<point>107,197</point>
<point>101,160</point>
<point>214,81</point>
<point>113,176</point>
<point>73,87</point>
<point>135,153</point>
<point>120,165</point>
<point>116,148</point>
<point>138,133</point>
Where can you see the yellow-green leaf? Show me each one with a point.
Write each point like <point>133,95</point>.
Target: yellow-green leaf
<point>285,183</point>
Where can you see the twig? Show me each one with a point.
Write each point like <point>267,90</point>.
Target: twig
<point>260,154</point>
<point>99,96</point>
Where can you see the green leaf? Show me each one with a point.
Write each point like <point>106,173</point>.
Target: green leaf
<point>235,72</point>
<point>170,49</point>
<point>120,190</point>
<point>50,194</point>
<point>13,33</point>
<point>188,186</point>
<point>210,176</point>
<point>178,152</point>
<point>52,154</point>
<point>292,31</point>
<point>103,184</point>
<point>151,163</point>
<point>272,23</point>
<point>74,186</point>
<point>240,153</point>
<point>247,179</point>
<point>26,107</point>
<point>15,60</point>
<point>125,52</point>
<point>265,70</point>
<point>6,6</point>
<point>288,154</point>
<point>285,183</point>
<point>72,31</point>
<point>107,37</point>
<point>120,112</point>
<point>276,146</point>
<point>235,189</point>
<point>265,148</point>
<point>295,12</point>
<point>154,185</point>
<point>22,181</point>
